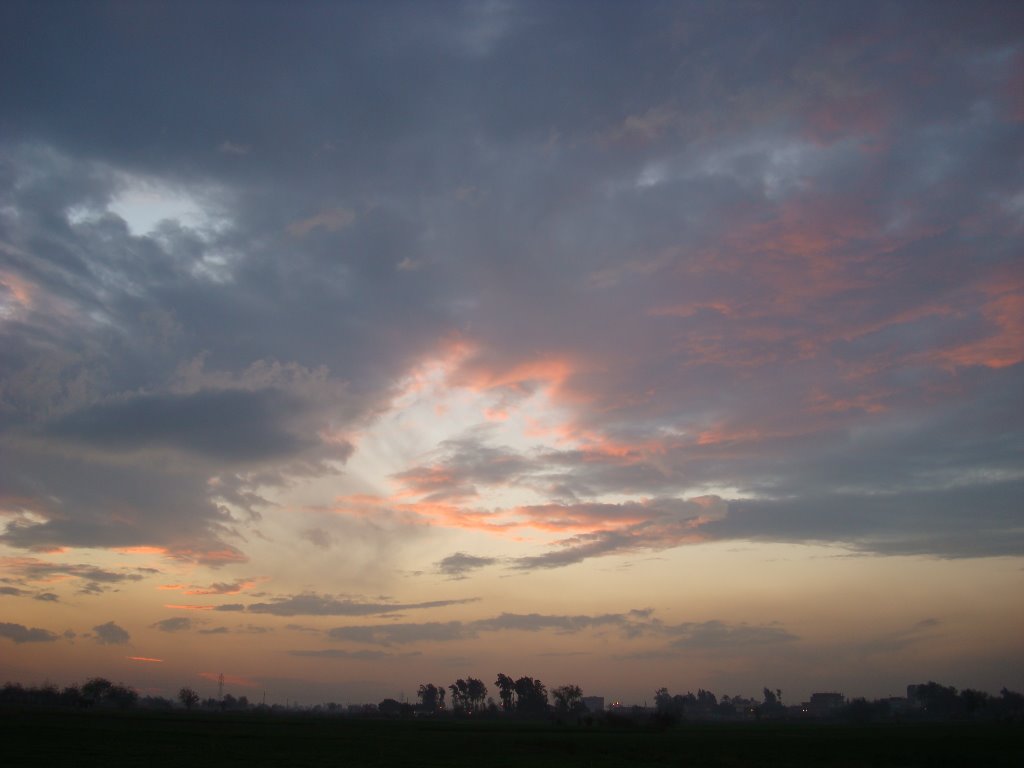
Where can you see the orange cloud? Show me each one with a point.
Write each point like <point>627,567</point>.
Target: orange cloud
<point>1003,308</point>
<point>17,288</point>
<point>141,550</point>
<point>144,659</point>
<point>222,588</point>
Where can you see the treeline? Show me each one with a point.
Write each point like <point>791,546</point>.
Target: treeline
<point>98,692</point>
<point>523,696</point>
<point>527,697</point>
<point>928,701</point>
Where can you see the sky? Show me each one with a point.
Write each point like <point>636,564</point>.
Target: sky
<point>346,347</point>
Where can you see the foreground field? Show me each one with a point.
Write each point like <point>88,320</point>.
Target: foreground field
<point>57,738</point>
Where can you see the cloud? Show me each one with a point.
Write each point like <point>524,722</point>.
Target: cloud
<point>318,537</point>
<point>332,653</point>
<point>175,624</point>
<point>96,579</point>
<point>718,636</point>
<point>233,148</point>
<point>111,634</point>
<point>331,220</point>
<point>390,634</point>
<point>34,569</point>
<point>227,425</point>
<point>22,634</point>
<point>460,563</point>
<point>311,604</point>
<point>631,625</point>
<point>220,587</point>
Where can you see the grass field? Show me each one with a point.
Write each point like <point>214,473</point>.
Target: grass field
<point>154,740</point>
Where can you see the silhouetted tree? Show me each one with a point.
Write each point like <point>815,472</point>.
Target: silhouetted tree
<point>506,691</point>
<point>663,701</point>
<point>121,696</point>
<point>531,696</point>
<point>974,702</point>
<point>706,700</point>
<point>939,700</point>
<point>94,689</point>
<point>460,695</point>
<point>476,693</point>
<point>392,708</point>
<point>568,698</point>
<point>188,697</point>
<point>155,702</point>
<point>431,697</point>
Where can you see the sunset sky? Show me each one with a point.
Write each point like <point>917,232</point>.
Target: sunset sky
<point>351,346</point>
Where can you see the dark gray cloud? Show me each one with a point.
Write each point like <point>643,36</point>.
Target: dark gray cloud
<point>33,569</point>
<point>175,624</point>
<point>311,604</point>
<point>718,636</point>
<point>111,634</point>
<point>460,563</point>
<point>21,634</point>
<point>227,425</point>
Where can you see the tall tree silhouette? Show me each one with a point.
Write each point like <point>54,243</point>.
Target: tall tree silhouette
<point>506,691</point>
<point>531,696</point>
<point>568,698</point>
<point>431,696</point>
<point>188,697</point>
<point>476,692</point>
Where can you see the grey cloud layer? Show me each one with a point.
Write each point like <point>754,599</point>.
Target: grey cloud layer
<point>326,605</point>
<point>793,265</point>
<point>708,636</point>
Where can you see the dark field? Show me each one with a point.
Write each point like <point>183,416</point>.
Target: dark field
<point>151,740</point>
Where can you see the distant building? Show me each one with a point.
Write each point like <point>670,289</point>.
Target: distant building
<point>825,703</point>
<point>593,703</point>
<point>897,705</point>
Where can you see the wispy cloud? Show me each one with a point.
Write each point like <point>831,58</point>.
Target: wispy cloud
<point>311,604</point>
